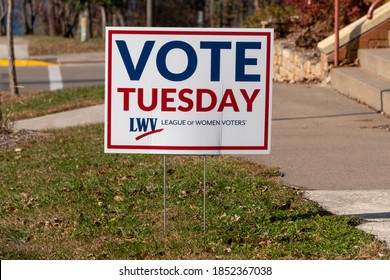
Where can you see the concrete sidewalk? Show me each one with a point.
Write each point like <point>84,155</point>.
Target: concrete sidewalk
<point>82,116</point>
<point>20,47</point>
<point>335,148</point>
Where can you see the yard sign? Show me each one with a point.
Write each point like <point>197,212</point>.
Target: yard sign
<point>188,91</point>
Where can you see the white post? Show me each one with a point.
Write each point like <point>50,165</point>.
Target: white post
<point>83,37</point>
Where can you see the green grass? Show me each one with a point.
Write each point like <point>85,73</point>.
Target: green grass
<point>33,104</point>
<point>63,198</point>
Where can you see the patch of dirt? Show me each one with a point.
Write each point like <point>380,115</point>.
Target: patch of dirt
<point>10,140</point>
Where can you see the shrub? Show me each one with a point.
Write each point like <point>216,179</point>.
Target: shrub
<point>312,12</point>
<point>316,17</point>
<point>276,16</point>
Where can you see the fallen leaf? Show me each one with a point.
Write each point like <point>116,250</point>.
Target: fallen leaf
<point>25,194</point>
<point>130,238</point>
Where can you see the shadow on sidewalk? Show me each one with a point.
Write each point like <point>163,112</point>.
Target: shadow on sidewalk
<point>323,117</point>
<point>371,216</point>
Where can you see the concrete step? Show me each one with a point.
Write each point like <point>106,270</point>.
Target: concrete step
<point>376,61</point>
<point>364,86</point>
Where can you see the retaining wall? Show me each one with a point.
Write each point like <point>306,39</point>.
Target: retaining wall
<point>294,65</point>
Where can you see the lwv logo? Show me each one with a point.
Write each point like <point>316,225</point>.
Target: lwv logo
<point>146,125</point>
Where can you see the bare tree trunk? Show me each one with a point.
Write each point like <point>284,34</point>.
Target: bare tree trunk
<point>3,14</point>
<point>27,4</point>
<point>120,18</point>
<point>30,9</point>
<point>50,18</point>
<point>90,20</point>
<point>104,20</point>
<point>257,5</point>
<point>212,13</point>
<point>72,26</point>
<point>13,84</point>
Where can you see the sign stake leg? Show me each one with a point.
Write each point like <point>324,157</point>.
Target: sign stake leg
<point>165,194</point>
<point>204,193</point>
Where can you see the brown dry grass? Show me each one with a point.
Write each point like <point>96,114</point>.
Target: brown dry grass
<point>45,45</point>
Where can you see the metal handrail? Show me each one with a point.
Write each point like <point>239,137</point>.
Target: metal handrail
<point>373,6</point>
<point>370,14</point>
<point>336,33</point>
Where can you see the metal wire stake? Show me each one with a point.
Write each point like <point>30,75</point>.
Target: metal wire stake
<point>204,193</point>
<point>165,195</point>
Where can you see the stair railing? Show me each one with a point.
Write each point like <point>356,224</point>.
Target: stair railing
<point>373,6</point>
<point>336,33</point>
<point>370,15</point>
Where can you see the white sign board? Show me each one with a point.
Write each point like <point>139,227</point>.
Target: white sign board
<point>188,91</point>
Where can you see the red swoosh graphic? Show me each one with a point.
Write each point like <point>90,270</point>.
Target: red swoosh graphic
<point>148,133</point>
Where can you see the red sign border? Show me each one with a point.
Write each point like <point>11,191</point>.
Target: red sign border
<point>198,33</point>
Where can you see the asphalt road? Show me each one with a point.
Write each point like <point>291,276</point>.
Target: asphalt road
<point>55,77</point>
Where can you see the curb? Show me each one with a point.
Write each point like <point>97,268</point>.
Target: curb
<point>27,63</point>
